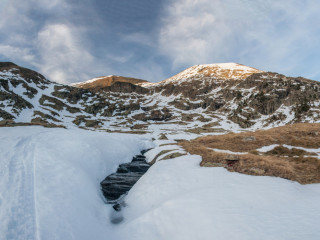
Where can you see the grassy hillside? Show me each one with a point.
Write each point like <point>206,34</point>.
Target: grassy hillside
<point>291,152</point>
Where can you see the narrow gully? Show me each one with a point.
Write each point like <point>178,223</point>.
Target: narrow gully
<point>116,186</point>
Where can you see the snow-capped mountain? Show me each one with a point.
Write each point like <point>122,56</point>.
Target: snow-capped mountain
<point>200,100</point>
<point>225,71</point>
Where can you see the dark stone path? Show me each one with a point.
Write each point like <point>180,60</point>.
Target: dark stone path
<point>118,184</point>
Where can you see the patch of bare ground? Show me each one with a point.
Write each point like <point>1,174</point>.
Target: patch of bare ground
<point>10,123</point>
<point>139,132</point>
<point>160,154</point>
<point>204,129</point>
<point>167,144</point>
<point>139,126</point>
<point>294,164</point>
<point>173,155</point>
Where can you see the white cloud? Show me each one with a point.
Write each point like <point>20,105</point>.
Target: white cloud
<point>62,54</point>
<point>12,52</point>
<point>270,34</point>
<point>57,50</point>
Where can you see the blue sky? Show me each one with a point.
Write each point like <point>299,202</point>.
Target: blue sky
<point>76,40</point>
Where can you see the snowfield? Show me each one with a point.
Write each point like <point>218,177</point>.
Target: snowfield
<point>180,200</point>
<point>49,189</point>
<point>50,181</point>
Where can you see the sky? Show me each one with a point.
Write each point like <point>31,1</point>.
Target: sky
<point>76,40</point>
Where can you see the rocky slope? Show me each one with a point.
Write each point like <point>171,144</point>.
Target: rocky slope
<point>202,99</point>
<point>112,83</point>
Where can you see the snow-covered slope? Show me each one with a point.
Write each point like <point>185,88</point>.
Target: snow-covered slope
<point>179,200</point>
<point>50,181</point>
<point>49,189</point>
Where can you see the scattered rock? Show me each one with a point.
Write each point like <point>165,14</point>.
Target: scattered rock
<point>232,157</point>
<point>93,123</point>
<point>157,115</point>
<point>154,115</point>
<point>163,137</point>
<point>117,207</point>
<point>140,117</point>
<point>144,151</point>
<point>249,139</point>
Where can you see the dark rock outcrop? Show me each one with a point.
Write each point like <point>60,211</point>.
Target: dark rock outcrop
<point>118,184</point>
<point>154,115</point>
<point>124,87</point>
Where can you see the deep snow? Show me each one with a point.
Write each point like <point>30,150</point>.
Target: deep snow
<point>50,181</point>
<point>49,189</point>
<point>178,199</point>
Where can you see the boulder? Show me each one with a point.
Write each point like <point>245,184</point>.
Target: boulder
<point>232,157</point>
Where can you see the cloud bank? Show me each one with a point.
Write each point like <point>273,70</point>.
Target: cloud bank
<point>62,55</point>
<point>268,34</point>
<point>71,41</point>
<point>55,49</point>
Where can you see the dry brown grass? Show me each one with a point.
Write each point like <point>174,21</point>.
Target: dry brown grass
<point>283,151</point>
<point>140,126</point>
<point>160,154</point>
<point>203,129</point>
<point>167,144</point>
<point>173,155</point>
<point>302,134</point>
<point>11,123</point>
<point>293,164</point>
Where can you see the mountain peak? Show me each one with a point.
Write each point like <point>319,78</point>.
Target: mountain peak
<point>107,81</point>
<point>224,71</point>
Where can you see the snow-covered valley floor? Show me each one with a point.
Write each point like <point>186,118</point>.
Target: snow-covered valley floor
<point>50,189</point>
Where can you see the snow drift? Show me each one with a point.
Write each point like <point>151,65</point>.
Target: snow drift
<point>49,189</point>
<point>50,181</point>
